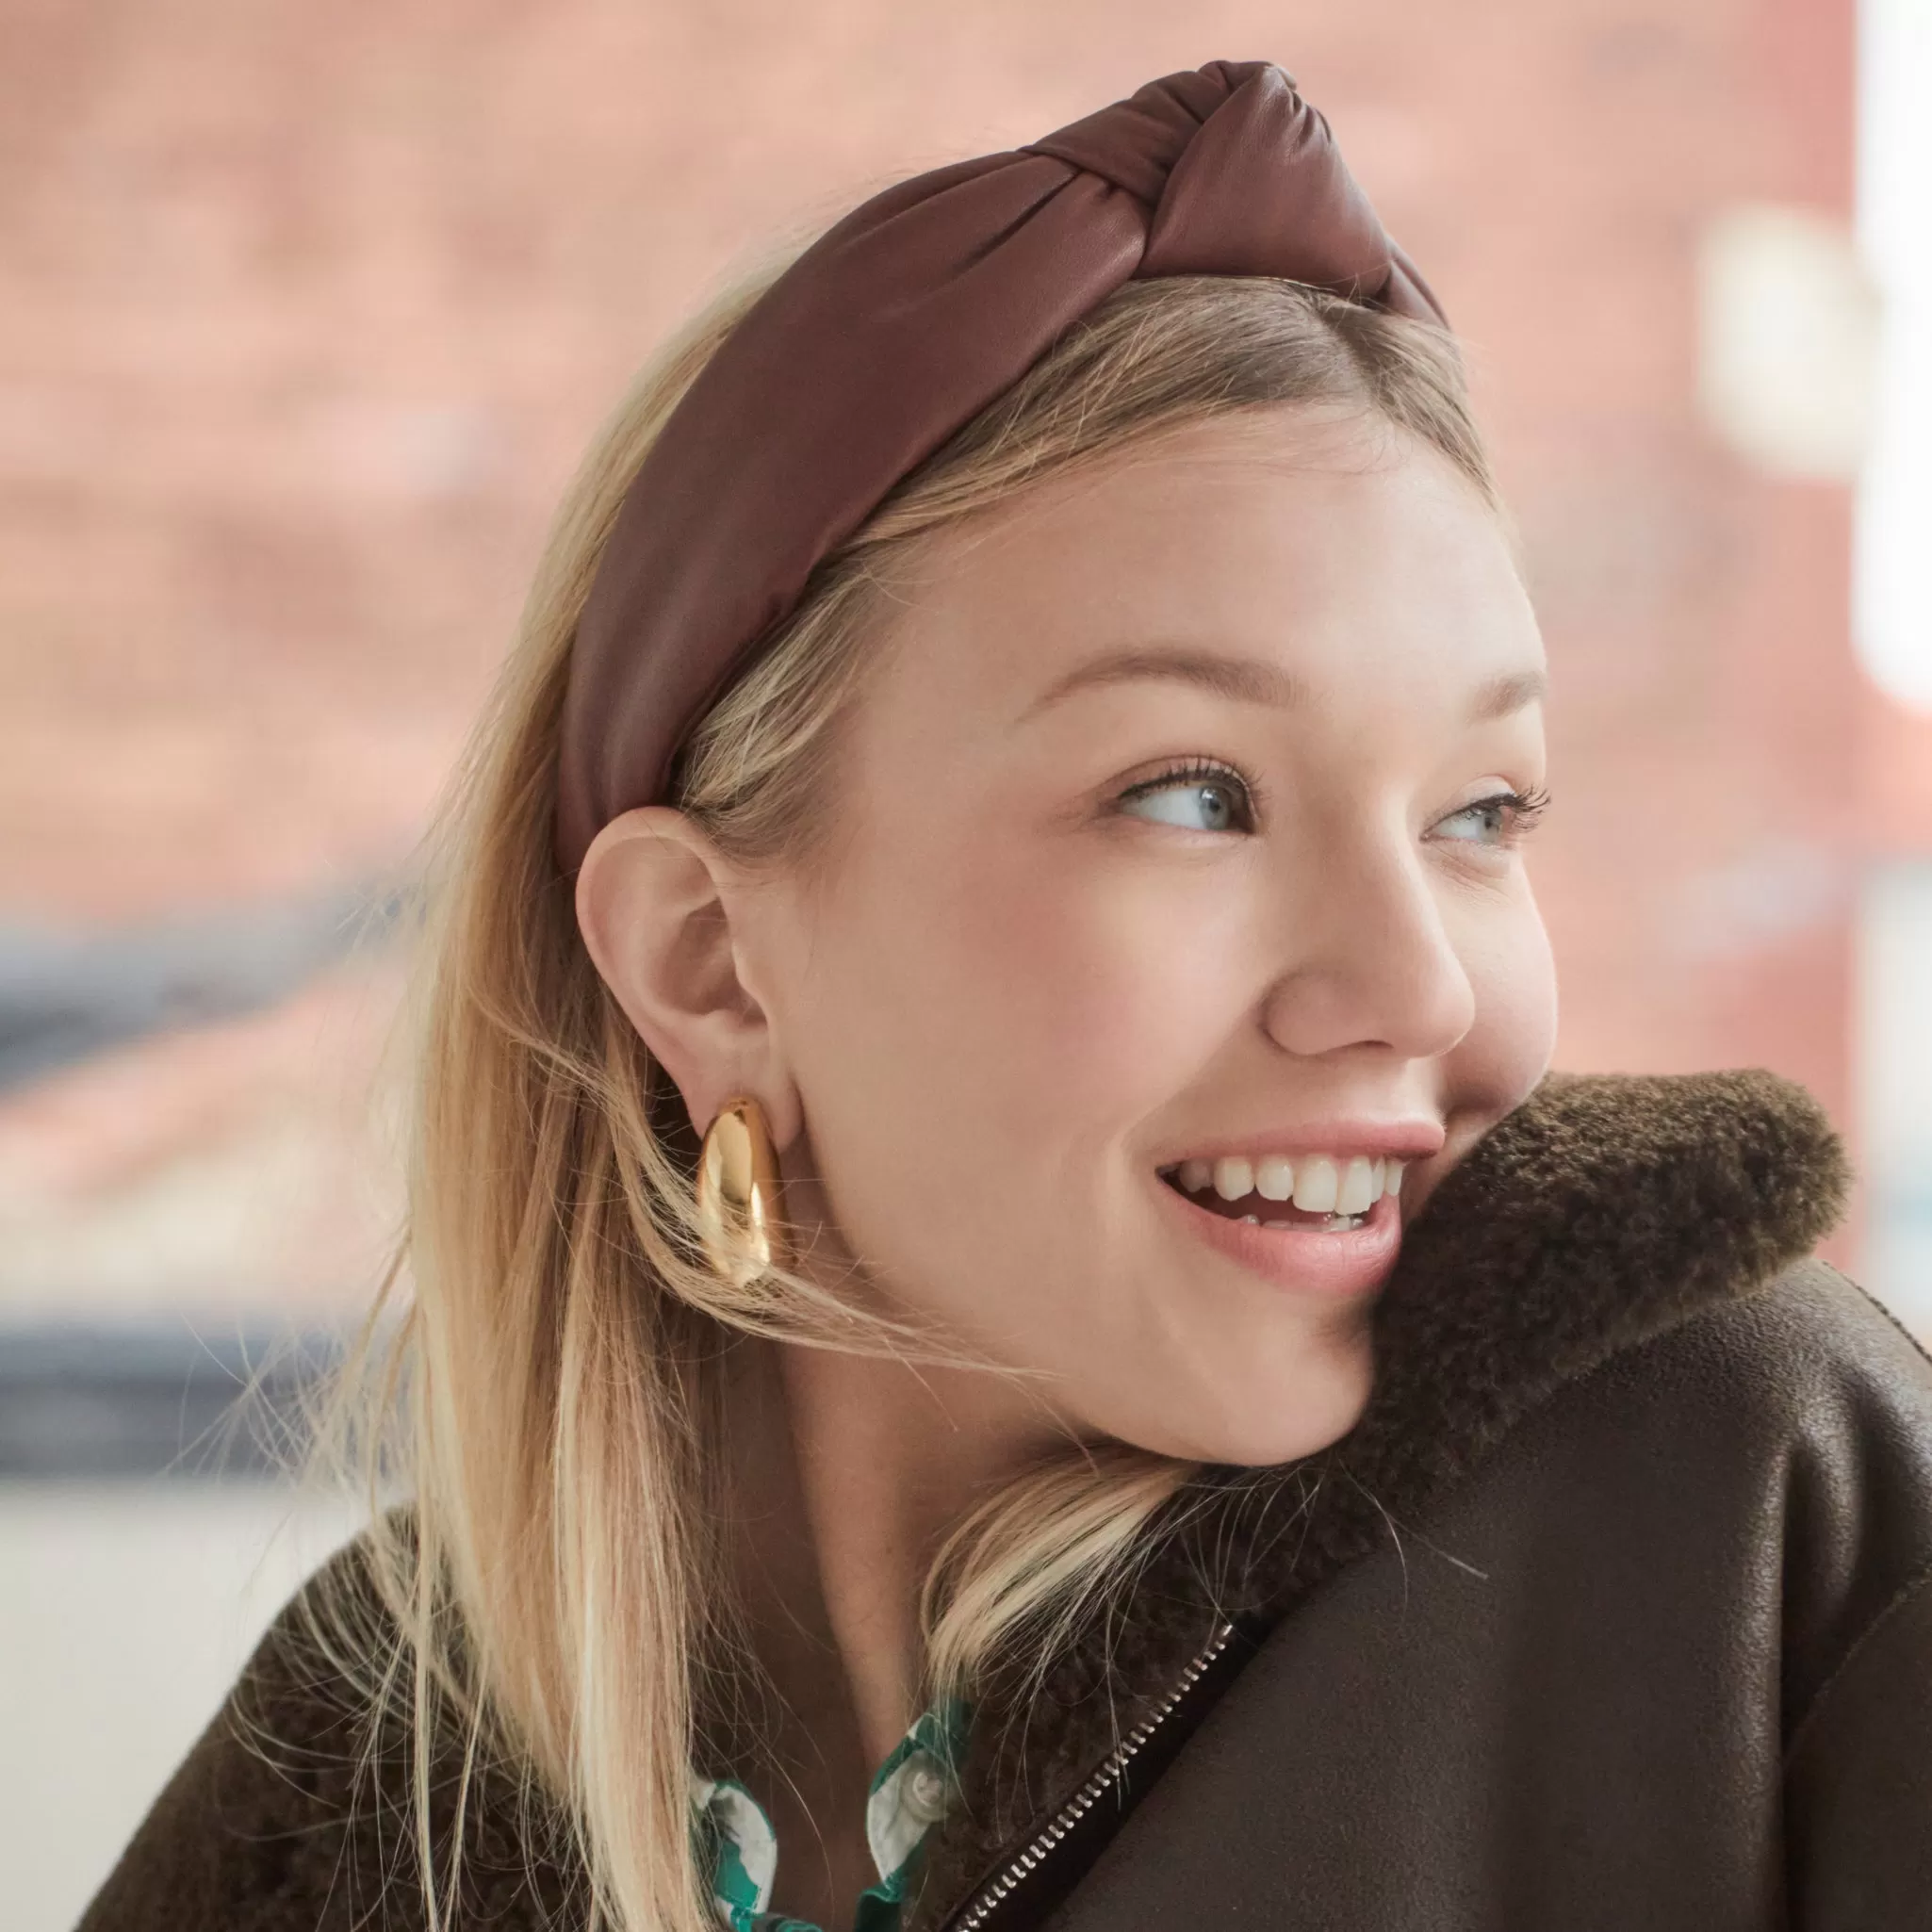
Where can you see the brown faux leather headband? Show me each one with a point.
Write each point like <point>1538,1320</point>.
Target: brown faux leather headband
<point>893,329</point>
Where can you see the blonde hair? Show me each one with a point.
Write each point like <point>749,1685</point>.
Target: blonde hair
<point>549,1392</point>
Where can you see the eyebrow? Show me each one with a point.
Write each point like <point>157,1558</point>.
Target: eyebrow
<point>1252,681</point>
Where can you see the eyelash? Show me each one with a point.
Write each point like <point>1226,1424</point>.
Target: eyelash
<point>1197,771</point>
<point>1525,808</point>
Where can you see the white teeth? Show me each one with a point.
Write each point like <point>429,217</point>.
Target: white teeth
<point>1233,1177</point>
<point>1358,1189</point>
<point>1315,1186</point>
<point>1325,1183</point>
<point>1274,1179</point>
<point>1277,1224</point>
<point>1252,1220</point>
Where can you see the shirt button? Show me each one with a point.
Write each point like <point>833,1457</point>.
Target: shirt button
<point>925,1789</point>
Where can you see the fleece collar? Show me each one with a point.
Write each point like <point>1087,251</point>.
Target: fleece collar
<point>1603,1210</point>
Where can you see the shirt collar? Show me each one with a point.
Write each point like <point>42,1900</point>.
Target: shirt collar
<point>910,1793</point>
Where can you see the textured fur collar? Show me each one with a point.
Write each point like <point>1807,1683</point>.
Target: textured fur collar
<point>1605,1209</point>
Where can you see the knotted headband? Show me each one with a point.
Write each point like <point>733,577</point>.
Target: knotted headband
<point>893,331</point>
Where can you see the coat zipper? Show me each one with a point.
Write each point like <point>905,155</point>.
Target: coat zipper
<point>1001,1888</point>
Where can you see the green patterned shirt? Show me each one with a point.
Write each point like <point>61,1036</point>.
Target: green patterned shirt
<point>910,1791</point>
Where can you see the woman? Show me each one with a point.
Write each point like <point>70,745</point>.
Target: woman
<point>1006,1321</point>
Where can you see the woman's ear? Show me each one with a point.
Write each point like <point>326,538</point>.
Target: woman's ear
<point>653,903</point>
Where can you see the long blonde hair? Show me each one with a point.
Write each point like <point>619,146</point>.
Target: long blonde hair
<point>545,1392</point>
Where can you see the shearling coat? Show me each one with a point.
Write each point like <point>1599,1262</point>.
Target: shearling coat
<point>1613,1612</point>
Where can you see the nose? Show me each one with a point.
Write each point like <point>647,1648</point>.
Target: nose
<point>1371,959</point>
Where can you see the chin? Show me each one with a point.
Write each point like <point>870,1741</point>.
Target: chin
<point>1316,1414</point>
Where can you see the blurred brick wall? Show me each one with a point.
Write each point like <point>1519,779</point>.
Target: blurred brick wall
<point>305,313</point>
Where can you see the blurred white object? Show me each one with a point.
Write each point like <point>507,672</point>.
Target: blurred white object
<point>1895,1066</point>
<point>1891,598</point>
<point>126,1612</point>
<point>1788,331</point>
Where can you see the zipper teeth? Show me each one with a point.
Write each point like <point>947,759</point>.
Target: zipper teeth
<point>1085,1798</point>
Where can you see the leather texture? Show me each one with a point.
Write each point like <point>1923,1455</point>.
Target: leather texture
<point>893,331</point>
<point>1613,1611</point>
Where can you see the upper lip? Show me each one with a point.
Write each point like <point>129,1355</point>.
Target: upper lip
<point>1390,1140</point>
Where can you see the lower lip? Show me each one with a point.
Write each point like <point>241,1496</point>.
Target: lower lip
<point>1352,1261</point>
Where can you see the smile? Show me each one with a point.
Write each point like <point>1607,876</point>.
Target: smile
<point>1333,1192</point>
<point>1315,1238</point>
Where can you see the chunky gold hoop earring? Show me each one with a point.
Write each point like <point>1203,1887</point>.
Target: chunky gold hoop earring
<point>738,1192</point>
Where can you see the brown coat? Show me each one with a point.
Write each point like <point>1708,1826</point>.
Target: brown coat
<point>1613,1612</point>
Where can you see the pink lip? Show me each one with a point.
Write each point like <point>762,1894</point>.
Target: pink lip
<point>1304,1259</point>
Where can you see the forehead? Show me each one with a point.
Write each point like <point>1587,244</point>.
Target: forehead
<point>1347,553</point>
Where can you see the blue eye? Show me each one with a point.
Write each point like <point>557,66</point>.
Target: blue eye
<point>1508,815</point>
<point>1200,796</point>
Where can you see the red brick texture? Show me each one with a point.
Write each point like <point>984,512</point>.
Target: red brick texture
<point>305,313</point>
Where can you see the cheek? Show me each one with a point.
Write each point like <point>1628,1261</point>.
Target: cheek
<point>1513,975</point>
<point>1006,1023</point>
<point>1102,987</point>
<point>1002,1039</point>
<point>1035,1016</point>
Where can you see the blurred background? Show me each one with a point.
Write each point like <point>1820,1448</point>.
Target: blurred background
<point>306,316</point>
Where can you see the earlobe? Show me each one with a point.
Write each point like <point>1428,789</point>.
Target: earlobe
<point>654,911</point>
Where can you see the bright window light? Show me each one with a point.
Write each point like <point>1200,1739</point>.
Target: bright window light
<point>1892,581</point>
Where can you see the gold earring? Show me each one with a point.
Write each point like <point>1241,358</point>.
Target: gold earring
<point>738,1192</point>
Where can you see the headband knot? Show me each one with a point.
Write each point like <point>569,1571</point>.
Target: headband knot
<point>893,331</point>
<point>1242,175</point>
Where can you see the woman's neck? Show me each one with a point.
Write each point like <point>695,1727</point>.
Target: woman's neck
<point>847,1471</point>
